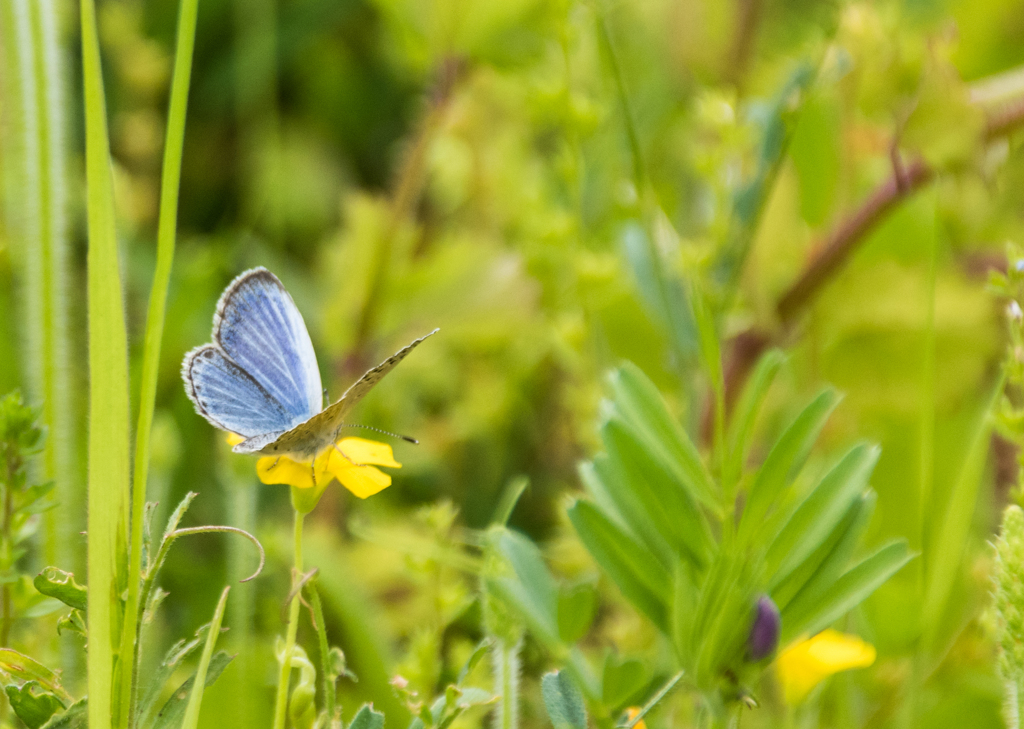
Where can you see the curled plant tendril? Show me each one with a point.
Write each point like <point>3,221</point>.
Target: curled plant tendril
<point>233,530</point>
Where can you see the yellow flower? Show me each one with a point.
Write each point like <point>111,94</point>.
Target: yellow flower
<point>351,461</point>
<point>631,712</point>
<point>809,661</point>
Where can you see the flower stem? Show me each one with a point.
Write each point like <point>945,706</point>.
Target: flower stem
<point>281,702</point>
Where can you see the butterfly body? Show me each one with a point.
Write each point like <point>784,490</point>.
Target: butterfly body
<point>259,377</point>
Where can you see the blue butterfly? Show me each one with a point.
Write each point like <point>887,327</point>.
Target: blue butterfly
<point>259,378</point>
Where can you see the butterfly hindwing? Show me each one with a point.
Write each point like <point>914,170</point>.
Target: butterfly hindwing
<point>228,396</point>
<point>259,327</point>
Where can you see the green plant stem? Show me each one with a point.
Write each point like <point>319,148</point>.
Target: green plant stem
<point>927,414</point>
<point>166,233</point>
<point>281,700</point>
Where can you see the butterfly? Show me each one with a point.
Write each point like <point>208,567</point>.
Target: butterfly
<point>259,377</point>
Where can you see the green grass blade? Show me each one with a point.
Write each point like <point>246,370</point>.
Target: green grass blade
<point>109,461</point>
<point>950,539</point>
<point>195,699</point>
<point>166,232</point>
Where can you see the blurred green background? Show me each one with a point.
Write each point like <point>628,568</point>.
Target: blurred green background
<point>406,164</point>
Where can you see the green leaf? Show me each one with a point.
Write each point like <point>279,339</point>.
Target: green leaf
<point>662,295</point>
<point>367,718</point>
<point>563,701</point>
<point>172,713</point>
<point>533,590</point>
<point>33,704</point>
<point>821,511</point>
<point>828,562</point>
<point>636,571</point>
<point>61,585</point>
<point>684,611</point>
<point>741,427</point>
<point>847,592</point>
<point>622,680</point>
<point>76,717</point>
<point>74,622</point>
<point>639,402</point>
<point>195,699</point>
<point>22,668</point>
<point>576,608</point>
<point>786,456</point>
<point>660,501</point>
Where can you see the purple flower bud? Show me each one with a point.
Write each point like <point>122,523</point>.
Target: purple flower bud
<point>764,633</point>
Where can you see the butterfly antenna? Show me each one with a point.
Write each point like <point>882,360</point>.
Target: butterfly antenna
<point>406,438</point>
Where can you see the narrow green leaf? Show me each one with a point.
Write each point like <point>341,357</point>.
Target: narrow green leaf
<point>684,611</point>
<point>109,450</point>
<point>821,511</point>
<point>847,592</point>
<point>563,701</point>
<point>25,668</point>
<point>786,456</point>
<point>822,568</point>
<point>640,403</point>
<point>167,225</point>
<point>744,416</point>
<point>633,568</point>
<point>662,502</point>
<point>172,713</point>
<point>367,718</point>
<point>195,699</point>
<point>61,585</point>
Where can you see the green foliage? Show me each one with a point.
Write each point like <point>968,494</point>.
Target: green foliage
<point>794,544</point>
<point>563,701</point>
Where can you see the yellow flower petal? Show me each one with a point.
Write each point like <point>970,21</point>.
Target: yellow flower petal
<point>362,451</point>
<point>351,461</point>
<point>363,481</point>
<point>234,439</point>
<point>806,663</point>
<point>274,469</point>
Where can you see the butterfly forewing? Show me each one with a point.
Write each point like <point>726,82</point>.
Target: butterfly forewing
<point>229,397</point>
<point>259,327</point>
<point>323,428</point>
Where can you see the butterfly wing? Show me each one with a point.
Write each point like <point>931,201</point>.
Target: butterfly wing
<point>259,377</point>
<point>322,429</point>
<point>259,327</point>
<point>228,396</point>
